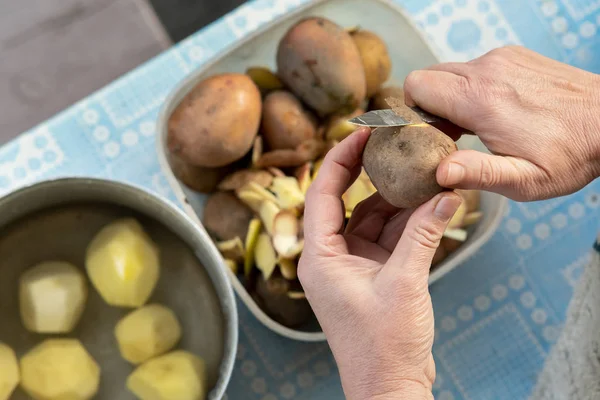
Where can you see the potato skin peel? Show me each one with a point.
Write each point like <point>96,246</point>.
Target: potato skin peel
<point>378,101</point>
<point>402,162</point>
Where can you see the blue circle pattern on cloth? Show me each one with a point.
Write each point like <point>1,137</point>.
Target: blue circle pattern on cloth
<point>463,35</point>
<point>496,316</point>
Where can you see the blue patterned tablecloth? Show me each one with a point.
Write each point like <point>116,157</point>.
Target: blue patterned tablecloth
<point>497,315</point>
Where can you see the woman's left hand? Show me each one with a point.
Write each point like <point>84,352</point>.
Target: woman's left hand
<point>367,282</point>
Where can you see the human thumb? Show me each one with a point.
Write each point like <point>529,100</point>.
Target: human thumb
<point>470,169</point>
<point>414,252</point>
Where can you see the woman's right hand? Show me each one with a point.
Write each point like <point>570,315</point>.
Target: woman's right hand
<point>540,119</point>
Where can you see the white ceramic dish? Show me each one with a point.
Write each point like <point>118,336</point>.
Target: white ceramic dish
<point>408,51</point>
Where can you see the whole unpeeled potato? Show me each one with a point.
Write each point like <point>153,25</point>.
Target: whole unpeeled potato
<point>272,294</point>
<point>216,122</point>
<point>200,179</point>
<point>375,59</point>
<point>402,162</point>
<point>226,217</point>
<point>285,123</point>
<point>320,63</point>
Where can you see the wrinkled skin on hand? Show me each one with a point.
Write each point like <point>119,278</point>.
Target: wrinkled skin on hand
<point>367,281</point>
<point>540,118</point>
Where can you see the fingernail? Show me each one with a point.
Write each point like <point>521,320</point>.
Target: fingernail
<point>456,173</point>
<point>447,206</point>
<point>362,129</point>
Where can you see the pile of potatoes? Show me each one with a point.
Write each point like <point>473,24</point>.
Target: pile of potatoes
<point>255,142</point>
<point>122,263</point>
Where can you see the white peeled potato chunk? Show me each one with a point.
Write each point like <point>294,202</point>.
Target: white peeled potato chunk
<point>147,332</point>
<point>123,264</point>
<point>52,297</point>
<point>178,375</point>
<point>9,371</point>
<point>59,369</point>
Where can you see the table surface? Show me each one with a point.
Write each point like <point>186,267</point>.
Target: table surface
<point>46,59</point>
<point>497,315</point>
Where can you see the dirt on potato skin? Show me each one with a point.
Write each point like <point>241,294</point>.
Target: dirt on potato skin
<point>318,60</point>
<point>402,162</point>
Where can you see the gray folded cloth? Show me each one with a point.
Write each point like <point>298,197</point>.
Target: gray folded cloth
<point>572,369</point>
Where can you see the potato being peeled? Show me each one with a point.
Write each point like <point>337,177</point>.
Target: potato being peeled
<point>59,369</point>
<point>123,263</point>
<point>375,58</point>
<point>52,297</point>
<point>320,63</point>
<point>402,162</point>
<point>285,123</point>
<point>9,371</point>
<point>216,122</point>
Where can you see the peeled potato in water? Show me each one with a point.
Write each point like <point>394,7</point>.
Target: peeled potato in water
<point>178,375</point>
<point>59,369</point>
<point>123,263</point>
<point>52,297</point>
<point>147,332</point>
<point>9,371</point>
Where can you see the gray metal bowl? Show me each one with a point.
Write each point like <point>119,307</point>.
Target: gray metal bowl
<point>57,219</point>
